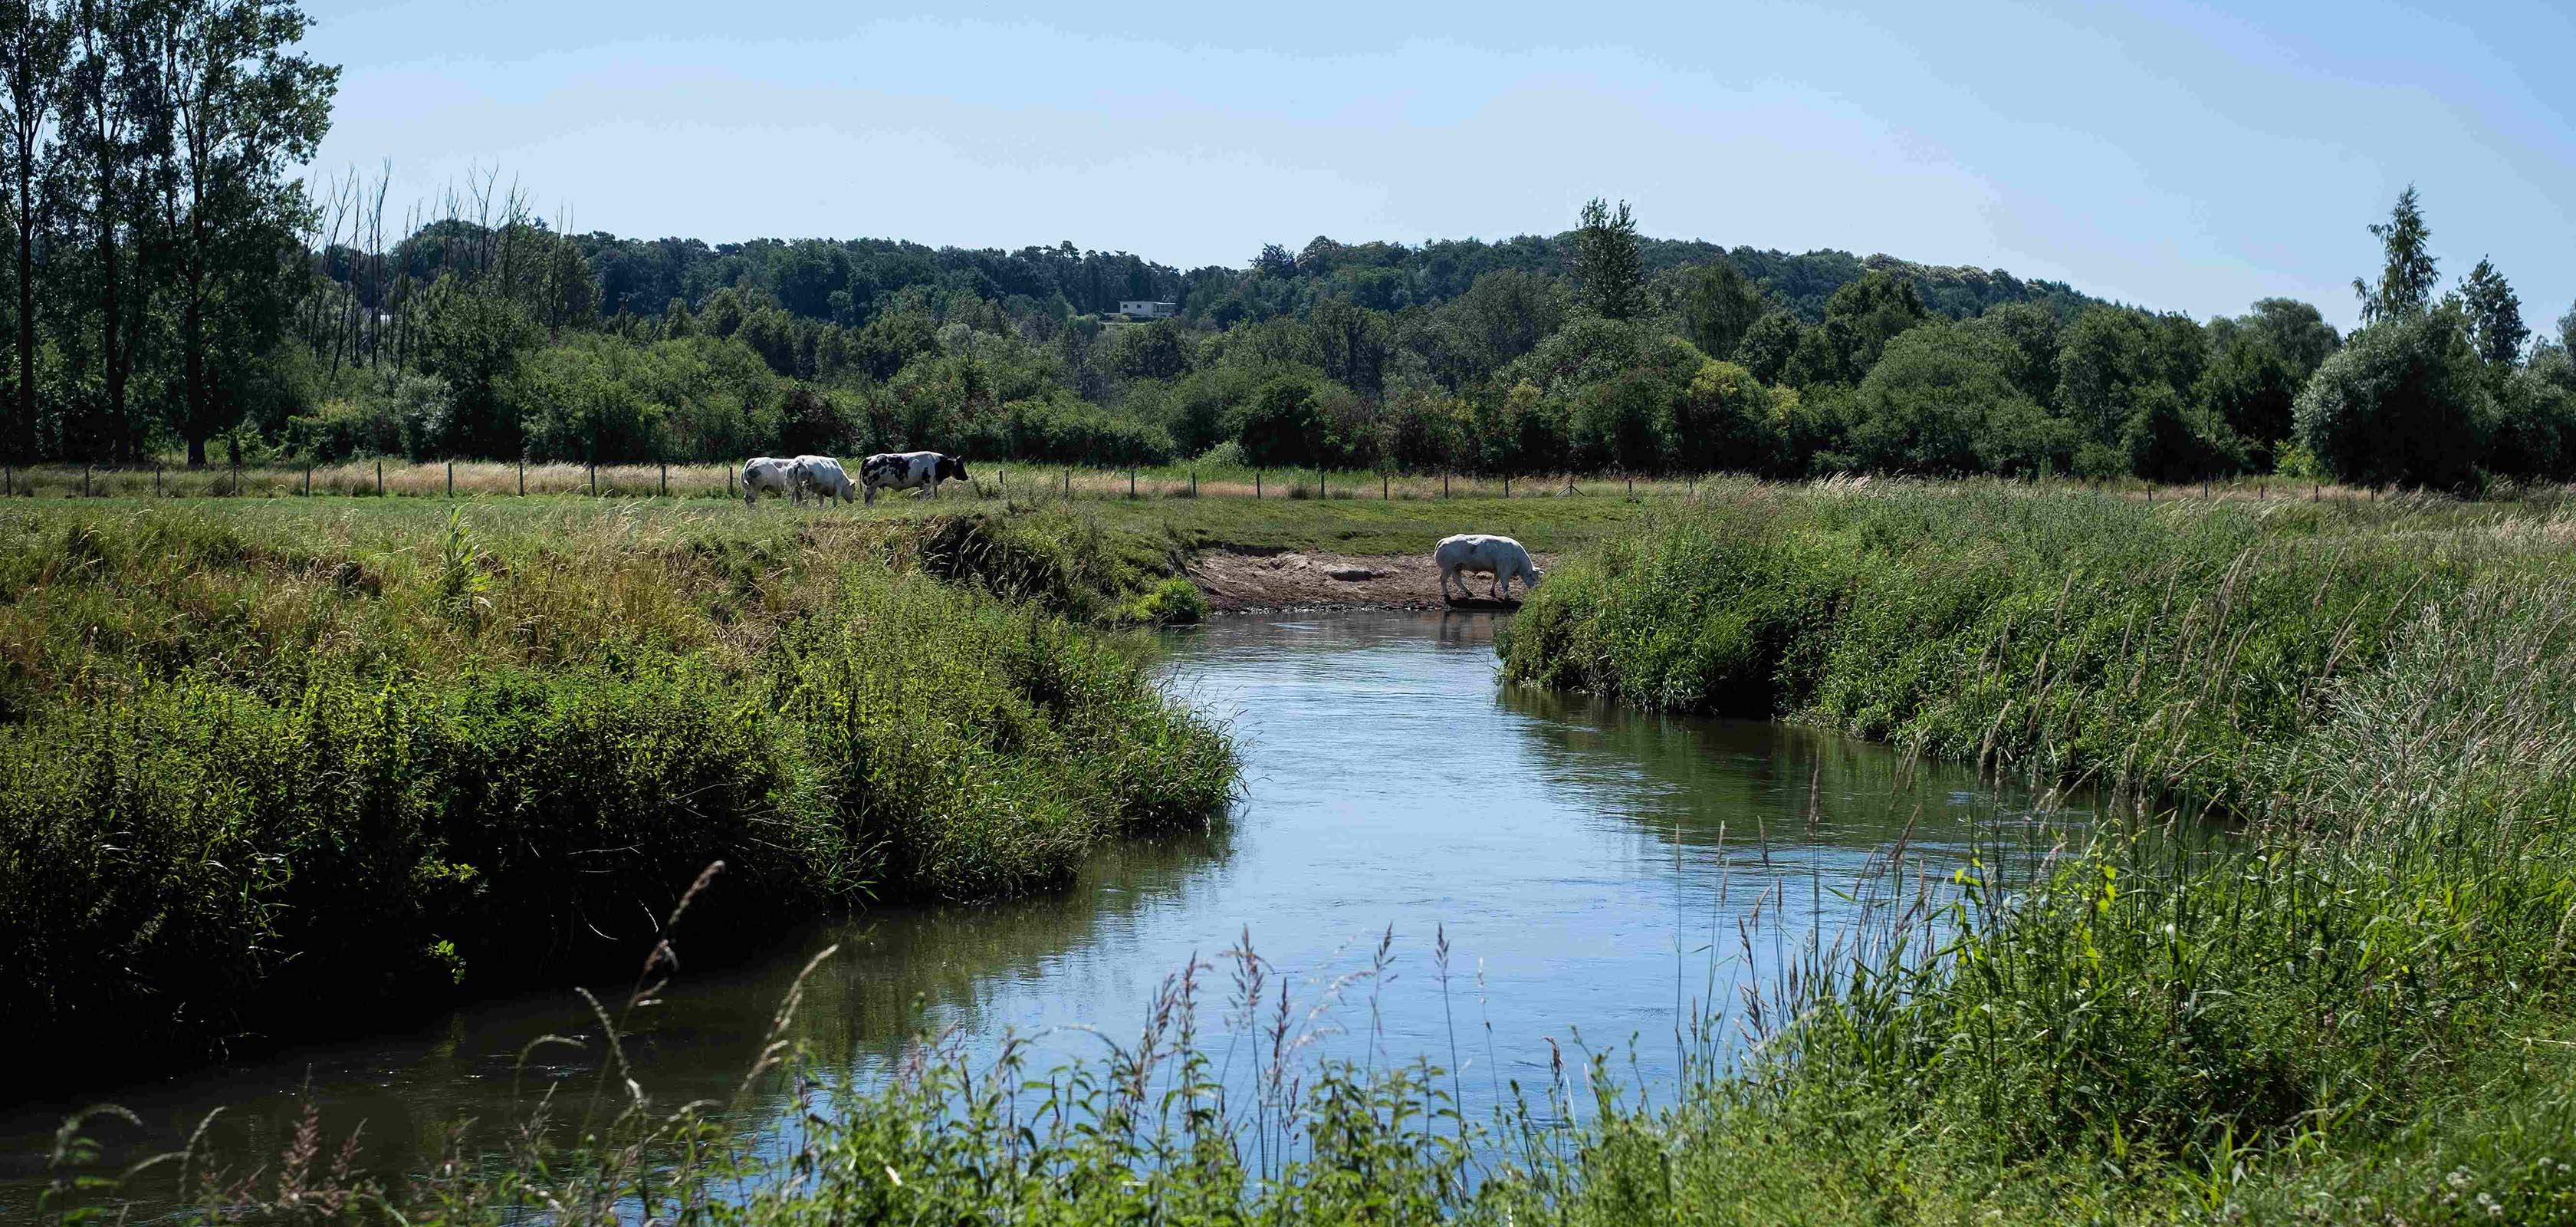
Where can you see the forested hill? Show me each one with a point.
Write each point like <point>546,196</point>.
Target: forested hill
<point>845,281</point>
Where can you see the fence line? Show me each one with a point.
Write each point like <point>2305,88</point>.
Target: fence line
<point>489,479</point>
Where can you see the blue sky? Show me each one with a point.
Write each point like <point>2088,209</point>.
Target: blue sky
<point>2170,155</point>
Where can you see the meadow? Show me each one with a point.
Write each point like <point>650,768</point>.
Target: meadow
<point>2350,1004</point>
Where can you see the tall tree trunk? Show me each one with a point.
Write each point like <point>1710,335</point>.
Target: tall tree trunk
<point>198,413</point>
<point>26,316</point>
<point>111,323</point>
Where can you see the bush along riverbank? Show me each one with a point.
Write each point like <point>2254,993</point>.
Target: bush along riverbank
<point>268,771</point>
<point>2357,1012</point>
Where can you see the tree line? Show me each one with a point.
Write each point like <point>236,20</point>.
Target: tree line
<point>177,287</point>
<point>145,152</point>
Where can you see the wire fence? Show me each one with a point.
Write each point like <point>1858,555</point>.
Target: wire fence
<point>1024,482</point>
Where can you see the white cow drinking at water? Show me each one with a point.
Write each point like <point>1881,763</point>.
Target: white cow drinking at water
<point>1500,557</point>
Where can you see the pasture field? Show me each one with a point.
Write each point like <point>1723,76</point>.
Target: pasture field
<point>2352,1008</point>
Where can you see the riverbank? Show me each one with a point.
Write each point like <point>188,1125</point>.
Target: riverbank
<point>2359,1013</point>
<point>271,770</point>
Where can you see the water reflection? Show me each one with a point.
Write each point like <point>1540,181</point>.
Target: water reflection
<point>1583,861</point>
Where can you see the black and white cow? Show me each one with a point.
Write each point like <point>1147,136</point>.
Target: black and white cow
<point>823,476</point>
<point>921,471</point>
<point>769,473</point>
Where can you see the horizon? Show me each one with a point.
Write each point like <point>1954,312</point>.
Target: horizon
<point>2151,154</point>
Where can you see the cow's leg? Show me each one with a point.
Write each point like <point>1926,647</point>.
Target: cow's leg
<point>1444,583</point>
<point>869,497</point>
<point>1499,573</point>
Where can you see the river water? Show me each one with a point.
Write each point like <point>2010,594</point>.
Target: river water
<point>1594,870</point>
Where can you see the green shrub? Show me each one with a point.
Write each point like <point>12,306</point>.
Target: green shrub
<point>256,763</point>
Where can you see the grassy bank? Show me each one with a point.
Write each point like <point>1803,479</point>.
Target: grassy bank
<point>255,757</point>
<point>2356,1009</point>
<point>2358,1014</point>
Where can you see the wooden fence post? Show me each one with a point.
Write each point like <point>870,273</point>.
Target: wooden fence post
<point>308,481</point>
<point>451,479</point>
<point>1507,485</point>
<point>523,477</point>
<point>1444,483</point>
<point>1256,485</point>
<point>84,479</point>
<point>1068,483</point>
<point>728,485</point>
<point>380,478</point>
<point>1382,495</point>
<point>1131,481</point>
<point>665,478</point>
<point>594,477</point>
<point>156,479</point>
<point>1194,483</point>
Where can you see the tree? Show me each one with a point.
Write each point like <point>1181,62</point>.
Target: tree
<point>1769,344</point>
<point>2295,331</point>
<point>1864,316</point>
<point>243,110</point>
<point>1274,261</point>
<point>1152,351</point>
<point>1608,270</point>
<point>2494,313</point>
<point>1941,401</point>
<point>2035,335</point>
<point>2169,441</point>
<point>1723,421</point>
<point>474,342</point>
<point>1718,306</point>
<point>2251,389</point>
<point>2403,403</point>
<point>2406,281</point>
<point>2110,355</point>
<point>1282,423</point>
<point>35,43</point>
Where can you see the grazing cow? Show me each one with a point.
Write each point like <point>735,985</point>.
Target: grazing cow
<point>1500,557</point>
<point>823,476</point>
<point>769,473</point>
<point>921,471</point>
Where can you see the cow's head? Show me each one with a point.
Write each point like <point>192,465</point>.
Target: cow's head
<point>951,467</point>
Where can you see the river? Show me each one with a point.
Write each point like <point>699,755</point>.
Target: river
<point>1591,868</point>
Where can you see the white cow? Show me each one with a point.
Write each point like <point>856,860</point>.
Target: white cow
<point>823,476</point>
<point>921,471</point>
<point>769,473</point>
<point>1500,557</point>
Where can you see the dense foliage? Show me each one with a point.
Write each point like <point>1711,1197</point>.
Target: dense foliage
<point>1595,350</point>
<point>249,761</point>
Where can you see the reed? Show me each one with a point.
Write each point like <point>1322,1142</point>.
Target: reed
<point>250,762</point>
<point>2352,1002</point>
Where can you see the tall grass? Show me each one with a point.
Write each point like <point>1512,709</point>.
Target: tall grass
<point>2353,1007</point>
<point>254,764</point>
